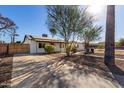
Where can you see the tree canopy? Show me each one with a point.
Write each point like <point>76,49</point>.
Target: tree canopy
<point>68,21</point>
<point>91,33</point>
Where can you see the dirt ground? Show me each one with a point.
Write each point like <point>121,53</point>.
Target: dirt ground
<point>57,71</point>
<point>118,53</point>
<point>5,70</point>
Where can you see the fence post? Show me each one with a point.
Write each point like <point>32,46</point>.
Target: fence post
<point>7,52</point>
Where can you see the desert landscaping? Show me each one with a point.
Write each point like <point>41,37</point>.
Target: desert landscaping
<point>56,70</point>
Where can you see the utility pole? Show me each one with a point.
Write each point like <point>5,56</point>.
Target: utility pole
<point>109,57</point>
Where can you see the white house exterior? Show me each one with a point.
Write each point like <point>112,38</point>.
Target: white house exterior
<point>37,44</point>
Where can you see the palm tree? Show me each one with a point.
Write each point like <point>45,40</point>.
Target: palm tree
<point>109,57</point>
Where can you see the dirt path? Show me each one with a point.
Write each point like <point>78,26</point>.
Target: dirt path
<point>56,71</point>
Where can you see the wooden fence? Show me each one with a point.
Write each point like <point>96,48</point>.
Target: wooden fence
<point>3,49</point>
<point>14,48</point>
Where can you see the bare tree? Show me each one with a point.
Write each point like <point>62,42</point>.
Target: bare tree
<point>13,35</point>
<point>6,23</point>
<point>7,26</point>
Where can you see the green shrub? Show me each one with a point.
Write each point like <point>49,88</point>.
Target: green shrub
<point>117,44</point>
<point>101,46</point>
<point>121,42</point>
<point>73,49</point>
<point>49,48</point>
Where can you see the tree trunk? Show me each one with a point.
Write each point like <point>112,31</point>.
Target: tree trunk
<point>109,57</point>
<point>86,47</point>
<point>13,39</point>
<point>67,49</point>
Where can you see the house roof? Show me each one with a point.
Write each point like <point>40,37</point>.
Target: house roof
<point>42,39</point>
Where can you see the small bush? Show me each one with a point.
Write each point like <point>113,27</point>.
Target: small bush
<point>121,42</point>
<point>49,48</point>
<point>100,46</point>
<point>70,48</point>
<point>117,44</point>
<point>73,49</point>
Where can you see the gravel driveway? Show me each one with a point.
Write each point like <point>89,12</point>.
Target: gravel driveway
<point>46,71</point>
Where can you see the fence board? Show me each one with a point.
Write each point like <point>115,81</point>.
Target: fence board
<point>3,49</point>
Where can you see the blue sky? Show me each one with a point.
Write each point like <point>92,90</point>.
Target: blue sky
<point>29,19</point>
<point>32,20</point>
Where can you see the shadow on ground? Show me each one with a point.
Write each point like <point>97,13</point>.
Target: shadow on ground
<point>117,70</point>
<point>118,74</point>
<point>95,65</point>
<point>38,74</point>
<point>5,70</point>
<point>73,71</point>
<point>58,72</point>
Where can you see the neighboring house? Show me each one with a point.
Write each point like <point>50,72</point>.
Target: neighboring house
<point>37,44</point>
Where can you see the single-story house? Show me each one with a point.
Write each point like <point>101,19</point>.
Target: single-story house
<point>37,44</point>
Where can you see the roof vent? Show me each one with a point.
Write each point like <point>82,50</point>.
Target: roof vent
<point>44,35</point>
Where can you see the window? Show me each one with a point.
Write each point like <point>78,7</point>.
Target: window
<point>41,45</point>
